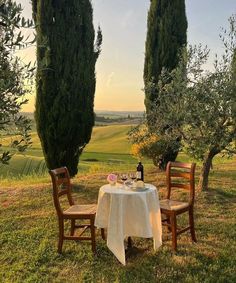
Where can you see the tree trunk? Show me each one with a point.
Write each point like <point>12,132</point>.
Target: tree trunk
<point>207,163</point>
<point>161,161</point>
<point>169,155</point>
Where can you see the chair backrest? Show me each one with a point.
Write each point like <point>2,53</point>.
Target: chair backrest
<point>182,176</point>
<point>61,186</point>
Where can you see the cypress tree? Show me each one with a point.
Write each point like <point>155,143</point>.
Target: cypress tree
<point>166,34</point>
<point>65,82</point>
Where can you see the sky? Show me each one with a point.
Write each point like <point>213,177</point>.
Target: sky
<point>119,69</point>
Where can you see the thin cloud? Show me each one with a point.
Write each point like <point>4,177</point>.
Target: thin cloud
<point>109,79</point>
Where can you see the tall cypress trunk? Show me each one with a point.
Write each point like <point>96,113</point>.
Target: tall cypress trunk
<point>206,167</point>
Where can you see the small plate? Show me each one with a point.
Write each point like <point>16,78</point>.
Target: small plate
<point>139,189</point>
<point>128,183</point>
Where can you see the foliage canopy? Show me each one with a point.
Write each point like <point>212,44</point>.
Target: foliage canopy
<point>15,78</point>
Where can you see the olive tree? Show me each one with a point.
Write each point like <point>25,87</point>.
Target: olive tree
<point>15,78</point>
<point>200,106</point>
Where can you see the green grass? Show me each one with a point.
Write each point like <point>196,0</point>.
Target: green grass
<point>28,223</point>
<point>28,237</point>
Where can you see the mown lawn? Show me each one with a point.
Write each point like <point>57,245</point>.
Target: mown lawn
<point>28,237</point>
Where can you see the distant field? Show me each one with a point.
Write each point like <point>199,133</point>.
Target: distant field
<point>110,139</point>
<point>108,146</point>
<point>108,150</point>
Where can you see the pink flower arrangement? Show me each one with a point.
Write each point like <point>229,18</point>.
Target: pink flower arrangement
<point>112,179</point>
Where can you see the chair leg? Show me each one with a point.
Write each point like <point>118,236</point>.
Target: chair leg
<point>93,239</point>
<point>72,229</point>
<point>191,224</point>
<point>103,234</point>
<point>174,231</point>
<point>168,222</point>
<point>61,235</point>
<point>129,244</point>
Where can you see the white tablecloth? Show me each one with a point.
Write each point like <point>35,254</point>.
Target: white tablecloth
<point>127,213</point>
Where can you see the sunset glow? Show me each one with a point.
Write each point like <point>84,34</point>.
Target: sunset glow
<point>120,66</point>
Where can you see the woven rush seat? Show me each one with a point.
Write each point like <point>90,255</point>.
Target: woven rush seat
<point>81,209</point>
<point>173,204</point>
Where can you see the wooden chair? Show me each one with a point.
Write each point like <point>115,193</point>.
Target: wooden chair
<point>181,176</point>
<point>62,186</point>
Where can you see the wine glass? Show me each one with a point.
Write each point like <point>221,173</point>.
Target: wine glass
<point>123,177</point>
<point>132,177</point>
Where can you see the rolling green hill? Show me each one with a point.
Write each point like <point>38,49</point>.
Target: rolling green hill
<point>108,145</point>
<point>110,139</point>
<point>107,139</point>
<point>108,150</point>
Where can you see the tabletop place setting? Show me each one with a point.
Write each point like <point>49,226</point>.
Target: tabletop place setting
<point>133,181</point>
<point>127,182</point>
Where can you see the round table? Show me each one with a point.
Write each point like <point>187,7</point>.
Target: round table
<point>127,213</point>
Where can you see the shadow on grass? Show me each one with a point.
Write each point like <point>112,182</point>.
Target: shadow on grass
<point>88,193</point>
<point>226,194</point>
<point>220,196</point>
<point>224,174</point>
<point>90,160</point>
